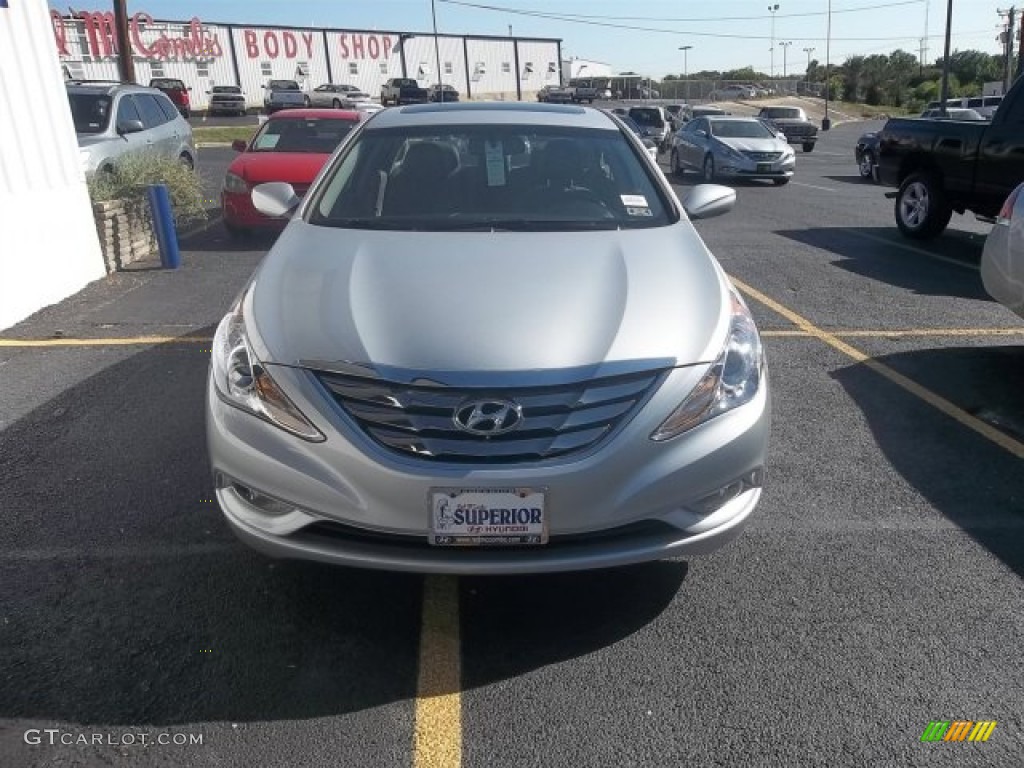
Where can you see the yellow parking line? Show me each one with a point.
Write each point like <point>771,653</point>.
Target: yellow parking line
<point>437,735</point>
<point>115,342</point>
<point>898,333</point>
<point>1004,441</point>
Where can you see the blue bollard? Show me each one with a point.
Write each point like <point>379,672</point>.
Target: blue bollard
<point>163,223</point>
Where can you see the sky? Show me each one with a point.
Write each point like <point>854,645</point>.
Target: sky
<point>640,37</point>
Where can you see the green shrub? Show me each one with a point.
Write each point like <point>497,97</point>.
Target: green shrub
<point>133,174</point>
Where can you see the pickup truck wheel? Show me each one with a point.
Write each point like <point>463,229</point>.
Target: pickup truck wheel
<point>867,165</point>
<point>808,146</point>
<point>921,208</point>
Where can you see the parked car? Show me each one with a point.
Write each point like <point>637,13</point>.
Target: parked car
<point>1002,260</point>
<point>373,402</point>
<point>445,93</point>
<point>226,100</point>
<point>705,110</point>
<point>336,96</point>
<point>954,113</point>
<point>866,154</point>
<point>176,91</point>
<point>403,90</point>
<point>678,114</point>
<point>289,147</point>
<point>654,123</point>
<point>942,166</point>
<point>282,94</point>
<point>732,92</point>
<point>985,106</point>
<point>556,94</point>
<point>793,123</point>
<point>649,144</point>
<point>114,120</point>
<point>732,147</point>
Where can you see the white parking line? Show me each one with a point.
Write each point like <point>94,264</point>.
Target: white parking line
<point>812,186</point>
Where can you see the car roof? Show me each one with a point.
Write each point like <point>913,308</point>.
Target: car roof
<point>329,114</point>
<point>495,113</point>
<point>108,88</point>
<point>732,118</point>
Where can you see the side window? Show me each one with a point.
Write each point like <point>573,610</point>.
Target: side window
<point>1014,109</point>
<point>152,115</point>
<point>126,110</point>
<point>169,110</point>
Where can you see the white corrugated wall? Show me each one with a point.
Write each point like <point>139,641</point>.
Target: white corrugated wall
<point>538,66</point>
<point>492,68</point>
<point>278,54</point>
<point>364,59</point>
<point>49,244</point>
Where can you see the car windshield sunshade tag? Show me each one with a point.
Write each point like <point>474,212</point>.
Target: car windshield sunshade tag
<point>495,159</point>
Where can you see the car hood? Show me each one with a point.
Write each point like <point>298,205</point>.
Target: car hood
<point>754,145</point>
<point>487,301</point>
<point>292,167</point>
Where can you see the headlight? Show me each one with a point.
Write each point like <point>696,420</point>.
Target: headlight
<point>732,380</point>
<point>235,183</point>
<point>732,153</point>
<point>242,381</point>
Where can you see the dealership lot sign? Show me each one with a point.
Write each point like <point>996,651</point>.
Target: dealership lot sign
<point>101,38</point>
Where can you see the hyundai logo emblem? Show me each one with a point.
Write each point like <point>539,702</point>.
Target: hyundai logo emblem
<point>488,417</point>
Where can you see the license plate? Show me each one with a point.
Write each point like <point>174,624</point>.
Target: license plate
<point>764,167</point>
<point>481,517</point>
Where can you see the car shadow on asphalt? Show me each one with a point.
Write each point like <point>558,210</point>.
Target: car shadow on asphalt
<point>973,482</point>
<point>854,178</point>
<point>881,253</point>
<point>127,600</point>
<point>216,238</point>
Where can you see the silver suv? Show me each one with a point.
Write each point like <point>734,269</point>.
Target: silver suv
<point>113,120</point>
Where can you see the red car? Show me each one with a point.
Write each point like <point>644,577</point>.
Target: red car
<point>176,91</point>
<point>291,146</point>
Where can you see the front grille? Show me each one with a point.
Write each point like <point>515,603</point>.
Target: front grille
<point>797,130</point>
<point>557,420</point>
<point>763,156</point>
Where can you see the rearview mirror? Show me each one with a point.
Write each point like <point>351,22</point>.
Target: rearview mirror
<point>277,199</point>
<point>238,145</point>
<point>130,126</point>
<point>706,201</point>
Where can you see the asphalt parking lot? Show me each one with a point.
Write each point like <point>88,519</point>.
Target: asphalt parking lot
<point>878,588</point>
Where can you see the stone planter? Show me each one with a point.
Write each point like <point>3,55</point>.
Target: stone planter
<point>126,233</point>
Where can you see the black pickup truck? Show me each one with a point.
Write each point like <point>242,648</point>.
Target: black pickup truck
<point>403,90</point>
<point>940,166</point>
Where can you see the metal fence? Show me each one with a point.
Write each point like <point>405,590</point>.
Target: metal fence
<point>711,90</point>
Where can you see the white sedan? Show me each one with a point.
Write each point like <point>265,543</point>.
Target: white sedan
<point>1002,261</point>
<point>334,96</point>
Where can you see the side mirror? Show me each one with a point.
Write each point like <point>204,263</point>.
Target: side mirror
<point>276,199</point>
<point>130,126</point>
<point>701,132</point>
<point>238,145</point>
<point>705,201</point>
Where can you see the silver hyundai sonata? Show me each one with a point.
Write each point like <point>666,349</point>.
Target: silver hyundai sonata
<point>488,341</point>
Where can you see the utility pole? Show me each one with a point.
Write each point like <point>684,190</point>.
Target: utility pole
<point>1020,50</point>
<point>944,93</point>
<point>124,47</point>
<point>924,40</point>
<point>773,9</point>
<point>785,47</point>
<point>807,75</point>
<point>1008,35</point>
<point>437,50</point>
<point>826,124</point>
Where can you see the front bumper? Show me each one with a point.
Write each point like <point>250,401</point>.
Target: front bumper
<point>728,167</point>
<point>239,212</point>
<point>353,503</point>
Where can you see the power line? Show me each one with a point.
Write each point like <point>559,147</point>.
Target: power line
<point>691,33</point>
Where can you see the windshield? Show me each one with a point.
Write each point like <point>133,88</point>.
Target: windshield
<point>308,134</point>
<point>226,89</point>
<point>491,177</point>
<point>647,116</point>
<point>284,85</point>
<point>784,113</point>
<point>740,129</point>
<point>90,112</point>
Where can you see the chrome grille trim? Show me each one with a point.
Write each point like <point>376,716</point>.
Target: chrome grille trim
<point>558,420</point>
<point>763,156</point>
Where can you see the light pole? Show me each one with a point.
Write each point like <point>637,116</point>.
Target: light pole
<point>686,71</point>
<point>437,50</point>
<point>825,122</point>
<point>807,76</point>
<point>785,46</point>
<point>773,9</point>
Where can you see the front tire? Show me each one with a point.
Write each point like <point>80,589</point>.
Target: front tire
<point>866,166</point>
<point>186,160</point>
<point>781,182</point>
<point>921,209</point>
<point>808,146</point>
<point>710,174</point>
